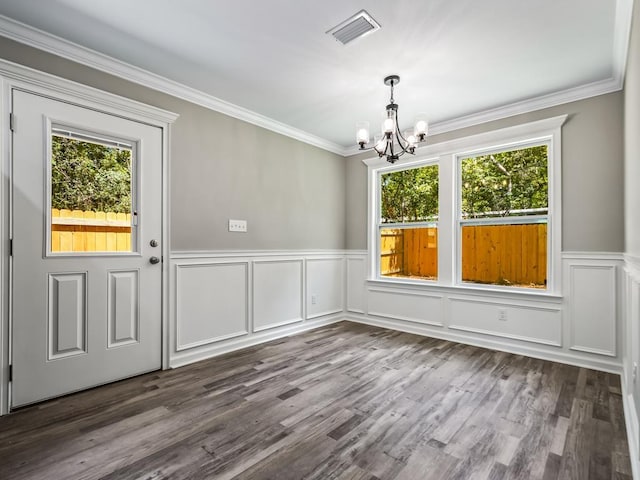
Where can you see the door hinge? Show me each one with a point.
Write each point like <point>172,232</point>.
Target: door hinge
<point>12,122</point>
<point>11,247</point>
<point>11,373</point>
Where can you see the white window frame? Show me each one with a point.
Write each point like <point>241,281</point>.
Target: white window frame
<point>389,168</point>
<point>460,221</point>
<point>447,155</point>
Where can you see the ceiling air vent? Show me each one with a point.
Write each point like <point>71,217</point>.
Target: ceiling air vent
<point>355,27</point>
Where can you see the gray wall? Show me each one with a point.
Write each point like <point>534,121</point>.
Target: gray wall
<point>296,196</point>
<point>592,175</point>
<point>291,194</point>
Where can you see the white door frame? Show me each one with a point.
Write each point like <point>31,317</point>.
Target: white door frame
<point>17,76</point>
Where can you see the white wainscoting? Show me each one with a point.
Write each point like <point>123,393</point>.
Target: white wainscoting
<point>580,327</point>
<point>539,322</point>
<point>631,358</point>
<point>592,301</point>
<point>211,303</point>
<point>223,301</point>
<point>411,306</point>
<point>277,292</point>
<point>325,286</point>
<point>356,274</point>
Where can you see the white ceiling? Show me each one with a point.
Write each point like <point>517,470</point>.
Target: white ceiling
<point>455,57</point>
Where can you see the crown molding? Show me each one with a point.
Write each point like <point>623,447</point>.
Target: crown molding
<point>47,42</point>
<point>525,106</point>
<point>622,33</point>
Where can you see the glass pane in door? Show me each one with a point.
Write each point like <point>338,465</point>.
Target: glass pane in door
<point>91,194</point>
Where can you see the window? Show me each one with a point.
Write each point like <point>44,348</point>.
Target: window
<point>408,226</point>
<point>479,212</point>
<point>504,206</point>
<point>91,194</point>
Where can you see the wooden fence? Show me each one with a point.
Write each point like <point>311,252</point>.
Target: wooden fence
<point>81,231</point>
<point>492,254</point>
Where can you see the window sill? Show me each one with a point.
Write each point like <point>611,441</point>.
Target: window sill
<point>484,291</point>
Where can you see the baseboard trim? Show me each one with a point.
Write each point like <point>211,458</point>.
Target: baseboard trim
<point>604,365</point>
<point>210,351</point>
<point>632,426</point>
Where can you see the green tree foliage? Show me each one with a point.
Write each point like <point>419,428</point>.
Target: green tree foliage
<point>410,195</point>
<point>502,182</point>
<point>89,176</point>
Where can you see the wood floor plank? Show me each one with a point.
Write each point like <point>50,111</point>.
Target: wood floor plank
<point>346,401</point>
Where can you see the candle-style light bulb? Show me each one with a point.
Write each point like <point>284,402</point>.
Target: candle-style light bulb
<point>362,134</point>
<point>388,126</point>
<point>421,127</point>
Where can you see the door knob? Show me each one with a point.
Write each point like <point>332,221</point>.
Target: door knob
<point>153,243</point>
<point>154,260</point>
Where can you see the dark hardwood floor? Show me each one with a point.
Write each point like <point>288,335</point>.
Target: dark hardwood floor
<point>342,402</point>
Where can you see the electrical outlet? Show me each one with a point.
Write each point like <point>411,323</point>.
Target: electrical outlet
<point>314,299</point>
<point>237,225</point>
<point>502,314</point>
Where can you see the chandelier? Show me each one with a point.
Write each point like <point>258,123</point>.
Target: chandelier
<point>392,143</point>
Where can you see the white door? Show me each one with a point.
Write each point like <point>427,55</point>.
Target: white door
<point>83,314</point>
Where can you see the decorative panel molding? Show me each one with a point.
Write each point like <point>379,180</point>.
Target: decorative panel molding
<point>270,295</point>
<point>212,303</point>
<point>356,292</point>
<point>325,286</point>
<point>277,293</point>
<point>593,307</point>
<point>631,360</point>
<point>123,308</point>
<point>67,315</point>
<point>538,324</point>
<point>415,307</point>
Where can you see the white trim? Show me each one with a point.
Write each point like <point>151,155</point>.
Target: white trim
<point>5,263</point>
<point>79,94</point>
<point>185,346</point>
<point>610,256</point>
<point>632,425</point>
<point>467,289</point>
<point>185,255</point>
<point>411,293</point>
<point>325,313</point>
<point>447,156</point>
<point>47,42</point>
<point>555,355</point>
<point>301,297</point>
<point>14,76</point>
<point>621,35</point>
<point>257,338</point>
<point>572,315</point>
<point>277,325</point>
<point>504,335</point>
<point>167,333</point>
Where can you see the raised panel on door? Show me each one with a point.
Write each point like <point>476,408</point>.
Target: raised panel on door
<point>67,315</point>
<point>123,308</point>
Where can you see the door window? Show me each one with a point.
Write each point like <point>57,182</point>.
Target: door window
<point>91,194</point>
